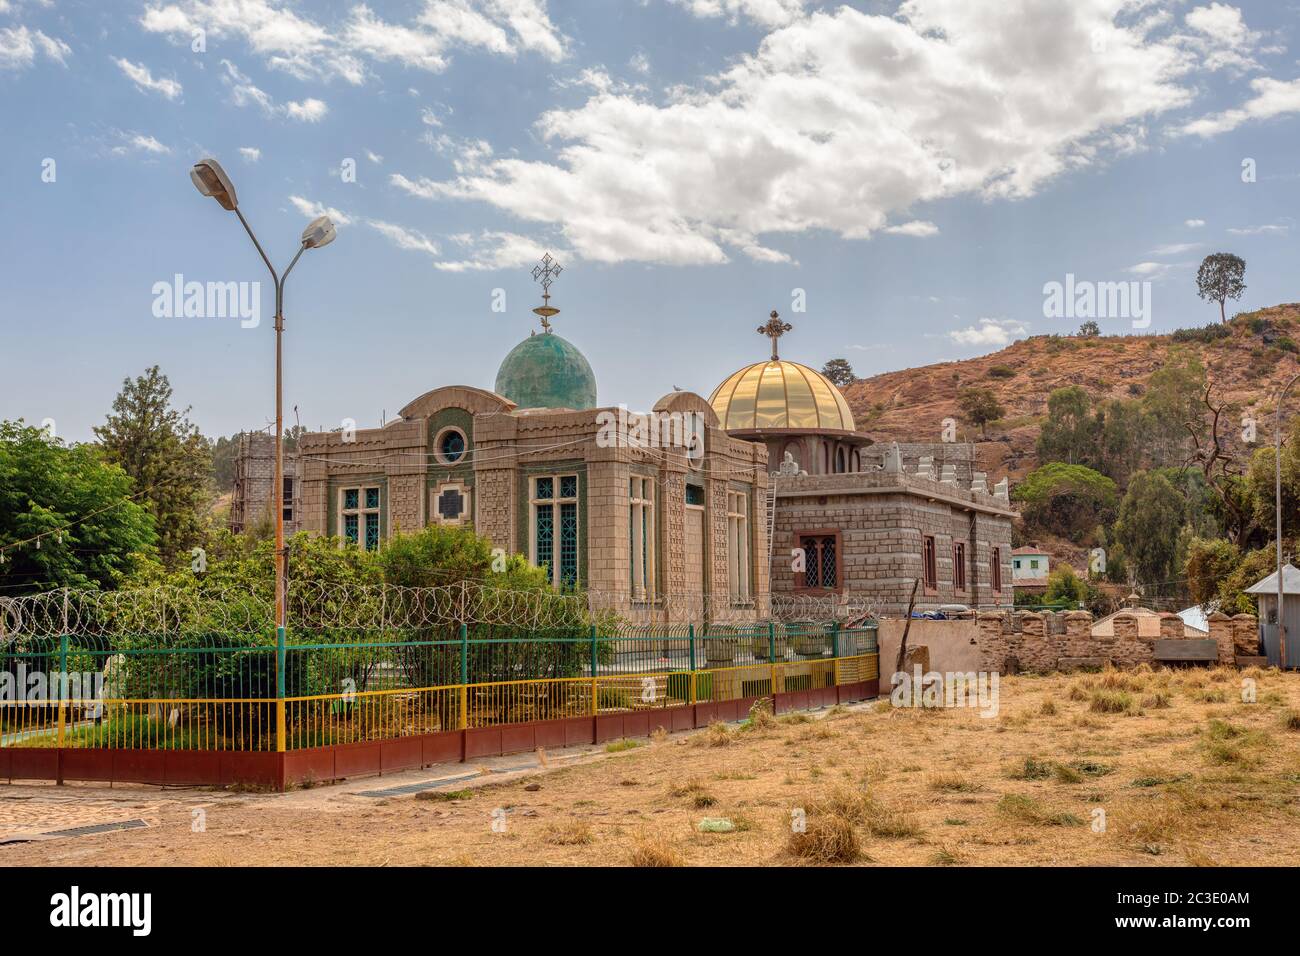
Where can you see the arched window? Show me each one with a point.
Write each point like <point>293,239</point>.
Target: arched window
<point>839,461</point>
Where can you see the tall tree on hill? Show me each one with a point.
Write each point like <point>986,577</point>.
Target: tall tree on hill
<point>1150,517</point>
<point>980,406</point>
<point>1222,276</point>
<point>166,456</point>
<point>840,372</point>
<point>1070,433</point>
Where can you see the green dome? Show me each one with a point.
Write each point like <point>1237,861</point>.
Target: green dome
<point>546,371</point>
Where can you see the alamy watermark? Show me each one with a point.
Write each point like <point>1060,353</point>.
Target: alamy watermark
<point>931,689</point>
<point>623,429</point>
<point>179,299</point>
<point>1083,299</point>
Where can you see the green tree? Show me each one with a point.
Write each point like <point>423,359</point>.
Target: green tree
<point>1122,443</point>
<point>165,455</point>
<point>1261,481</point>
<point>1070,433</point>
<point>1150,517</point>
<point>979,406</point>
<point>840,372</point>
<point>1069,500</point>
<point>1221,277</point>
<point>1172,402</point>
<point>1089,330</point>
<point>45,486</point>
<point>1065,586</point>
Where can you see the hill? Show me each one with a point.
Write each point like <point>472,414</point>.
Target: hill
<point>1246,360</point>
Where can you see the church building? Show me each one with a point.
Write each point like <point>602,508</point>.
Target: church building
<point>698,510</point>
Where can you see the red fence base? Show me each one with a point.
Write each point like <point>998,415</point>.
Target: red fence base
<point>277,771</point>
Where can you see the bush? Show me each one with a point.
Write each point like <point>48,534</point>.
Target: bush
<point>1206,335</point>
<point>1002,371</point>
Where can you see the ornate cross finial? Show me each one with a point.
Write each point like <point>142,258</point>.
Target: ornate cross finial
<point>774,329</point>
<point>546,273</point>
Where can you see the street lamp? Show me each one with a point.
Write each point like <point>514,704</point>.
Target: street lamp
<point>211,180</point>
<point>1277,493</point>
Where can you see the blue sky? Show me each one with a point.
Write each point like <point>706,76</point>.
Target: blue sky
<point>919,170</point>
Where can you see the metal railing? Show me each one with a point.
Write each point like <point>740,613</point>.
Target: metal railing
<point>246,692</point>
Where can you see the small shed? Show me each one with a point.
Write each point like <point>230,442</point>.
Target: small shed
<point>1266,592</point>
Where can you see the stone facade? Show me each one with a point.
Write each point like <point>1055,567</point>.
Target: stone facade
<point>253,500</point>
<point>506,449</point>
<point>880,521</point>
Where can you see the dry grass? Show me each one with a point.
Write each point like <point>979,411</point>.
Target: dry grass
<point>1190,783</point>
<point>827,840</point>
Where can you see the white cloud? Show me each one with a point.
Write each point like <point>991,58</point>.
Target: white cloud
<point>1175,248</point>
<point>640,63</point>
<point>251,154</point>
<point>143,78</point>
<point>1221,38</point>
<point>1268,230</point>
<point>989,332</point>
<point>374,157</point>
<point>20,46</point>
<point>307,111</point>
<point>1149,270</point>
<point>770,13</point>
<point>1193,223</point>
<point>916,227</point>
<point>305,48</point>
<point>1272,98</point>
<point>840,121</point>
<point>140,143</point>
<point>314,210</point>
<point>496,250</point>
<point>405,238</point>
<point>243,92</point>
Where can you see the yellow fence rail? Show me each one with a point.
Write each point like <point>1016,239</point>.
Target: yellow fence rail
<point>251,724</point>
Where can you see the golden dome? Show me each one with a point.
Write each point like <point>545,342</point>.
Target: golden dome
<point>780,394</point>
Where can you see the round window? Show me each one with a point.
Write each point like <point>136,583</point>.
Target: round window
<point>451,446</point>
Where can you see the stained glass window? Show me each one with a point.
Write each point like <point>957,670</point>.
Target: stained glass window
<point>545,535</point>
<point>452,446</point>
<point>695,495</point>
<point>359,518</point>
<point>569,543</point>
<point>555,527</point>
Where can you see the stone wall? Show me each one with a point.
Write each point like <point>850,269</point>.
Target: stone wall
<point>1050,641</point>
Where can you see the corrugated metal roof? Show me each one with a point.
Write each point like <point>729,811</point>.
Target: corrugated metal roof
<point>1290,582</point>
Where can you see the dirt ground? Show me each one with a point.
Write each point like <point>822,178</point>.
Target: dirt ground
<point>1134,768</point>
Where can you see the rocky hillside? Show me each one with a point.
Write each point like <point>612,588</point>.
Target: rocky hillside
<point>1246,366</point>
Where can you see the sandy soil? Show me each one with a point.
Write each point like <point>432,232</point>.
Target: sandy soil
<point>1187,774</point>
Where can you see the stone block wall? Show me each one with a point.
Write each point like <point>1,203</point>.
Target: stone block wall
<point>1051,641</point>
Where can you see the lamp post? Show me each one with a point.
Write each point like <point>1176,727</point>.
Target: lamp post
<point>211,180</point>
<point>1277,497</point>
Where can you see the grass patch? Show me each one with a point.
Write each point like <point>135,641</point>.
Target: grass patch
<point>444,795</point>
<point>570,833</point>
<point>1110,702</point>
<point>952,783</point>
<point>654,851</point>
<point>1031,769</point>
<point>826,840</point>
<point>1028,810</point>
<point>620,745</point>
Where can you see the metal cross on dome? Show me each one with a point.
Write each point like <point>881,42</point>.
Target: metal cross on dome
<point>546,273</point>
<point>774,329</point>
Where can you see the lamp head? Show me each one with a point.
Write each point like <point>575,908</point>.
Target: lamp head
<point>319,232</point>
<point>211,180</point>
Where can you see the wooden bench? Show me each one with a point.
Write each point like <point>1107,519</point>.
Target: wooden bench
<point>1186,649</point>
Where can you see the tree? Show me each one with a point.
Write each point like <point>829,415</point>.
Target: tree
<point>840,372</point>
<point>1070,433</point>
<point>1172,399</point>
<point>1150,517</point>
<point>99,533</point>
<point>1221,277</point>
<point>1065,586</point>
<point>980,406</point>
<point>1069,500</point>
<point>164,454</point>
<point>1089,330</point>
